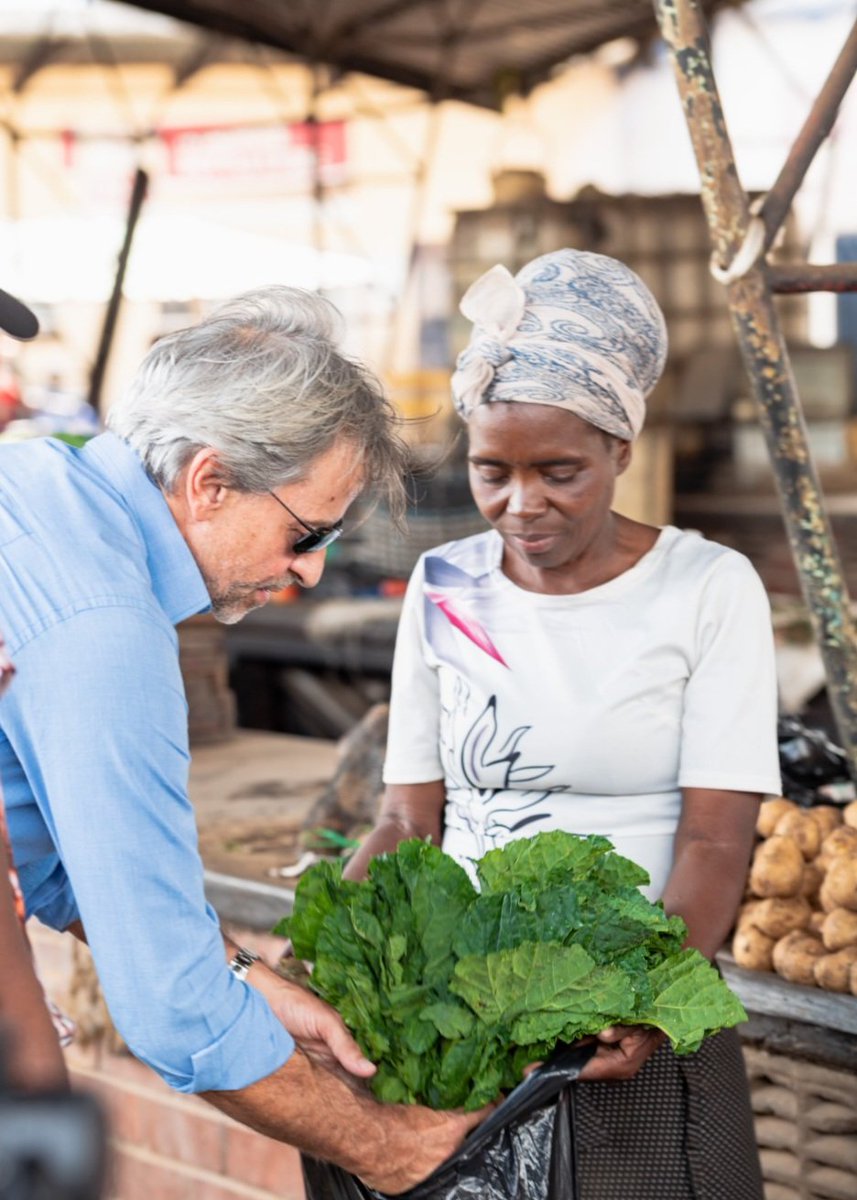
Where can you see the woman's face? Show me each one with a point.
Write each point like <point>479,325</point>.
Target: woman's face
<point>544,479</point>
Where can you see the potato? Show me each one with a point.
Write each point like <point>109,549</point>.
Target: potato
<point>801,827</point>
<point>833,971</point>
<point>816,922</point>
<point>840,882</point>
<point>812,880</point>
<point>849,816</point>
<point>853,980</point>
<point>745,913</point>
<point>779,915</point>
<point>825,900</point>
<point>839,929</point>
<point>752,948</point>
<point>826,817</point>
<point>777,868</point>
<point>770,812</point>
<point>794,957</point>
<point>841,840</point>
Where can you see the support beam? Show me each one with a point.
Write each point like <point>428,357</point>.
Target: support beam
<point>766,359</point>
<point>791,278</point>
<point>816,128</point>
<point>96,380</point>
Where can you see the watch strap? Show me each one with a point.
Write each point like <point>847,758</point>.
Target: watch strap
<point>241,963</point>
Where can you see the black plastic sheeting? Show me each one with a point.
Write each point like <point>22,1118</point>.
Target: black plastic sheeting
<point>523,1151</point>
<point>808,761</point>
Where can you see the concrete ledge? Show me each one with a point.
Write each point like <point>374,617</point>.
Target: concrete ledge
<point>247,902</point>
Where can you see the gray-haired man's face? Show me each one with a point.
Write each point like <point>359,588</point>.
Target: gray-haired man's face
<point>243,541</point>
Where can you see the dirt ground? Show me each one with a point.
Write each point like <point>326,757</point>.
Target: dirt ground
<point>251,795</point>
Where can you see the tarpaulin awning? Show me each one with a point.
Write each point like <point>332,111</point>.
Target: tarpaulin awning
<point>472,50</point>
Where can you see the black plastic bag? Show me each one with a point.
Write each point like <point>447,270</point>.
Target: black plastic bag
<point>808,761</point>
<point>523,1151</point>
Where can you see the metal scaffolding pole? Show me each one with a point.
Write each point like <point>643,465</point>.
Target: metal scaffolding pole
<point>738,238</point>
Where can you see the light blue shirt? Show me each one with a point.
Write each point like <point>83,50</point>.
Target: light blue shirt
<point>94,575</point>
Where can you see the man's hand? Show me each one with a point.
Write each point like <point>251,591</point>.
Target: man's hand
<point>330,1115</point>
<point>622,1051</point>
<point>417,1141</point>
<point>316,1028</point>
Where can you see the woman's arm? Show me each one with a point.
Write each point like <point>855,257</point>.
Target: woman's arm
<point>713,844</point>
<point>408,810</point>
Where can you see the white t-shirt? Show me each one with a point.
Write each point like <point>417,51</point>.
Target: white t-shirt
<point>587,712</point>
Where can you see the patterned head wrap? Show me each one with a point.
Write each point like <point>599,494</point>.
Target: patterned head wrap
<point>574,329</point>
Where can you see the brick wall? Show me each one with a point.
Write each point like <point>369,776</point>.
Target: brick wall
<point>165,1145</point>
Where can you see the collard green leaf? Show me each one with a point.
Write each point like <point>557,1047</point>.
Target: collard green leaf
<point>450,1020</point>
<point>534,977</point>
<point>547,858</point>
<point>690,1001</point>
<point>318,893</point>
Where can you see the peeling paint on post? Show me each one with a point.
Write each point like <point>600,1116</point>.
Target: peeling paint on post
<point>766,359</point>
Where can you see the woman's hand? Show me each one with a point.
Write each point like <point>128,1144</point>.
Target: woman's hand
<point>622,1051</point>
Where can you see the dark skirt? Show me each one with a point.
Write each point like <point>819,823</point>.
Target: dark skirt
<point>682,1129</point>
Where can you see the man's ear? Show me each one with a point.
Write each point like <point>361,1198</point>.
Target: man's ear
<point>204,487</point>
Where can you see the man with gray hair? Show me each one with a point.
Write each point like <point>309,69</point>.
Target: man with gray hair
<point>227,469</point>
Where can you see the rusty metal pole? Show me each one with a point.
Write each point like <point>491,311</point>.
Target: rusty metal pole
<point>766,360</point>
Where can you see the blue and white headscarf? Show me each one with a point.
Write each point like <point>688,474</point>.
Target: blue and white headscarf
<point>573,329</point>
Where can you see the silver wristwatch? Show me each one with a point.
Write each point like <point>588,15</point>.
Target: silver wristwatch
<point>242,962</point>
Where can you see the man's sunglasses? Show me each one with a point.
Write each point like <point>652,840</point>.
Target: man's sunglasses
<point>315,538</point>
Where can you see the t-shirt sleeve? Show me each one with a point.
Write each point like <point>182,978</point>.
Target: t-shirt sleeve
<point>413,754</point>
<point>729,722</point>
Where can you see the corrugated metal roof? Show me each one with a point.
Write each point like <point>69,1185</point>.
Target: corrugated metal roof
<point>454,49</point>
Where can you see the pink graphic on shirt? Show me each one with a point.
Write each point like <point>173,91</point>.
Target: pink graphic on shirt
<point>462,620</point>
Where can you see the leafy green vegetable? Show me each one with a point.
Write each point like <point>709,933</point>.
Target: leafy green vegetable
<point>452,991</point>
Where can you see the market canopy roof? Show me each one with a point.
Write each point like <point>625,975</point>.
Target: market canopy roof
<point>472,50</point>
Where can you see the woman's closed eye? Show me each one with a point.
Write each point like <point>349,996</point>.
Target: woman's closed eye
<point>492,475</point>
<point>561,476</point>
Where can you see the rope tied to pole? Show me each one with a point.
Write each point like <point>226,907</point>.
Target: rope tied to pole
<point>749,251</point>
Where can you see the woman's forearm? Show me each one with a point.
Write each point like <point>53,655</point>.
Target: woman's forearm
<point>409,810</point>
<point>712,853</point>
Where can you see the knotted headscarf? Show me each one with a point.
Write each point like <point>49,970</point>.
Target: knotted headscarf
<point>574,329</point>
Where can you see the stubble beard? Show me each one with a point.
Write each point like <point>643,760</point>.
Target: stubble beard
<point>235,602</point>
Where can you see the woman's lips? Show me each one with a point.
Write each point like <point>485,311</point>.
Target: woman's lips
<point>533,543</point>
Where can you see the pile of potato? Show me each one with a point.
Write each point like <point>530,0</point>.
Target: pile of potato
<point>799,916</point>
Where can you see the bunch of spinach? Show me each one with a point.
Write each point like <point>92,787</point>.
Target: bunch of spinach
<point>452,991</point>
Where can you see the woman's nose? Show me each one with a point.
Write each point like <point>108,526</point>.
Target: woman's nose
<point>525,498</point>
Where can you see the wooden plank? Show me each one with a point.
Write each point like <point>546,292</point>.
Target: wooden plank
<point>765,993</point>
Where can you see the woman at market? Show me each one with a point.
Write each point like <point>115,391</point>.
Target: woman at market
<point>573,669</point>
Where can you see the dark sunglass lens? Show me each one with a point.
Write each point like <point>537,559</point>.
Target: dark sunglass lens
<point>308,542</point>
<point>319,539</point>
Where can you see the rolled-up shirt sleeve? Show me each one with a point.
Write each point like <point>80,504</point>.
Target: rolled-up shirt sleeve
<point>98,720</point>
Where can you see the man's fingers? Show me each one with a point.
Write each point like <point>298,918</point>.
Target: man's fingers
<point>344,1048</point>
<point>472,1119</point>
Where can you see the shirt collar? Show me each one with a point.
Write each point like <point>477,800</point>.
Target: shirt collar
<point>176,579</point>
